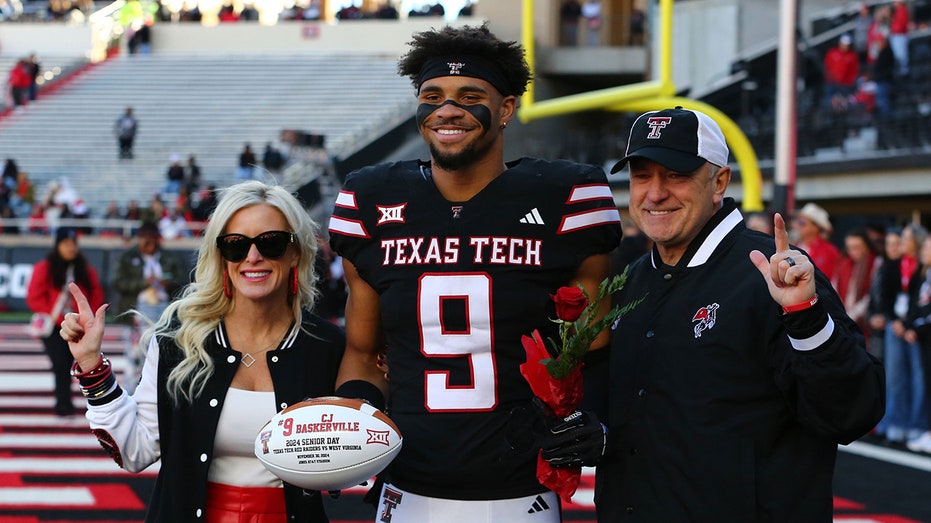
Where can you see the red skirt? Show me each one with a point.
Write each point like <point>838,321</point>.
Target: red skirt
<point>229,504</point>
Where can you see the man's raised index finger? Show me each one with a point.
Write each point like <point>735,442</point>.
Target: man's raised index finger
<point>779,233</point>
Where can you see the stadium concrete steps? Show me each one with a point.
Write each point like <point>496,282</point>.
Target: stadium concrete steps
<point>207,105</point>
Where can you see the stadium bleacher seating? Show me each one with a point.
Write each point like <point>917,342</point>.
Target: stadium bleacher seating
<point>750,99</point>
<point>207,105</point>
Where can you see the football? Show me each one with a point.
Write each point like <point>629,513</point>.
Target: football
<point>328,443</point>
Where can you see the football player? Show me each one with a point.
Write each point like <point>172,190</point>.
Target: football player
<point>449,262</point>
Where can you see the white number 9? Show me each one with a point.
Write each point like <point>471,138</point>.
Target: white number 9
<point>474,342</point>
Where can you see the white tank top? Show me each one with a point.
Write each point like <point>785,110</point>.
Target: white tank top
<point>244,414</point>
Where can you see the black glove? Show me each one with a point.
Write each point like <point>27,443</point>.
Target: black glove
<point>372,496</point>
<point>576,440</point>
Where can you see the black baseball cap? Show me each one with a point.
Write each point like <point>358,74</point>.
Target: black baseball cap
<point>679,139</point>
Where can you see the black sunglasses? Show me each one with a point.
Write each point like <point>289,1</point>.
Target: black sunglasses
<point>271,244</point>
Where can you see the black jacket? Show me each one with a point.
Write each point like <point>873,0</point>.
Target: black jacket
<point>890,275</point>
<point>716,415</point>
<point>919,305</point>
<point>304,366</point>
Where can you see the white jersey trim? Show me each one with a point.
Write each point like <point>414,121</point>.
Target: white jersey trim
<point>593,218</point>
<point>348,227</point>
<point>346,199</point>
<point>582,193</point>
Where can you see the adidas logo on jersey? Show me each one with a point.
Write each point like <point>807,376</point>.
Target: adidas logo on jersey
<point>533,217</point>
<point>539,504</point>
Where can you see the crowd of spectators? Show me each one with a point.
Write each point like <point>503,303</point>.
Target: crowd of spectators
<point>884,110</point>
<point>50,10</point>
<point>588,16</point>
<point>180,206</point>
<point>882,273</point>
<point>26,210</point>
<point>162,11</point>
<point>867,74</point>
<point>310,10</point>
<point>389,11</point>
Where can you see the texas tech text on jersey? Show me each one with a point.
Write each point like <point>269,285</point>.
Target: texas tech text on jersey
<point>482,250</point>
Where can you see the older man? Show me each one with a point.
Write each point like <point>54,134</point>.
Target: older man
<point>738,373</point>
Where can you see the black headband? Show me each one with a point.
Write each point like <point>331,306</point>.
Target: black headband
<point>465,65</point>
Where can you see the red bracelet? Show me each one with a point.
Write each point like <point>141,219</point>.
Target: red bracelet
<point>789,309</point>
<point>88,383</point>
<point>102,364</point>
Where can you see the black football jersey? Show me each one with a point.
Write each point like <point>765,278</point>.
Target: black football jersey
<point>459,284</point>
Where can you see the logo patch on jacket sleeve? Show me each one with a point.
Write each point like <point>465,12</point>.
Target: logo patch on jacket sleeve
<point>706,318</point>
<point>109,445</point>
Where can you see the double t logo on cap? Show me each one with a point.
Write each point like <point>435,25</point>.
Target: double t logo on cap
<point>656,124</point>
<point>679,139</point>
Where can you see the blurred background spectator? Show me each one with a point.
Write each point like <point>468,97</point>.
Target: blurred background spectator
<point>591,12</point>
<point>898,35</point>
<point>906,396</point>
<point>569,14</point>
<point>20,78</point>
<point>192,175</point>
<point>854,276</point>
<point>760,221</point>
<point>174,175</point>
<point>841,69</point>
<point>272,159</point>
<point>637,26</point>
<point>811,228</point>
<point>247,163</point>
<point>861,31</point>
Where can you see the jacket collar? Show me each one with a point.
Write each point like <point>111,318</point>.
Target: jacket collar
<point>222,338</point>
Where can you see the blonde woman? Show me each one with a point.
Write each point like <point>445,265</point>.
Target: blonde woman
<point>235,348</point>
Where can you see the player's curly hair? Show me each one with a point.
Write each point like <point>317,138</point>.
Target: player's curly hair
<point>467,40</point>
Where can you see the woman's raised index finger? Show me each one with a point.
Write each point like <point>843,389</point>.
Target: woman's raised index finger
<point>780,233</point>
<point>84,307</point>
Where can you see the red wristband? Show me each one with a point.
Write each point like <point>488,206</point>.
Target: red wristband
<point>102,364</point>
<point>789,309</point>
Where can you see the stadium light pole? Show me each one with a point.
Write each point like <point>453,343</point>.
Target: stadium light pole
<point>786,110</point>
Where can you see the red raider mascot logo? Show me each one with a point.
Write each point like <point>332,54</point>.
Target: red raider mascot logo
<point>706,317</point>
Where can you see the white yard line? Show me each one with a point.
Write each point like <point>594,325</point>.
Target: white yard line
<point>898,457</point>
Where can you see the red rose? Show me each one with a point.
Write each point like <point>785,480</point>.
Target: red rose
<point>555,377</point>
<point>562,396</point>
<point>570,302</point>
